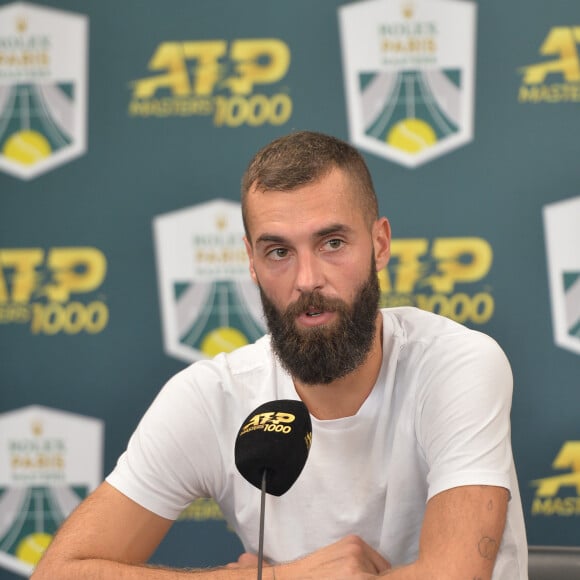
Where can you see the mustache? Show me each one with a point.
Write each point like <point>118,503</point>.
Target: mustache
<point>315,301</point>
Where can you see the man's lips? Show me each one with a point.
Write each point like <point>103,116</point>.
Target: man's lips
<point>315,317</point>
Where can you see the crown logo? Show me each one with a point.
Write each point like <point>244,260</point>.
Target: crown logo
<point>21,25</point>
<point>221,223</point>
<point>408,10</point>
<point>36,428</point>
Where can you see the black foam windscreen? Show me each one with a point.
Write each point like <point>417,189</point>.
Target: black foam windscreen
<point>275,437</point>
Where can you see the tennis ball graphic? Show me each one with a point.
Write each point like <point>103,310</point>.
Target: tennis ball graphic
<point>222,339</point>
<point>26,147</point>
<point>31,548</point>
<point>411,135</point>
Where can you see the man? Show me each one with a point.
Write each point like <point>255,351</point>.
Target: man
<point>410,474</point>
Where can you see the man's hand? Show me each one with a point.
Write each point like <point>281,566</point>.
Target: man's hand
<point>348,559</point>
<point>246,560</point>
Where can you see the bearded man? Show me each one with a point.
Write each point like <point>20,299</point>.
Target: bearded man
<point>410,474</point>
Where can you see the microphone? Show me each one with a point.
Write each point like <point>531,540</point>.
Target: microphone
<point>275,438</point>
<point>271,450</point>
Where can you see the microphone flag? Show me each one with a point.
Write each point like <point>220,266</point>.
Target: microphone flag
<point>276,438</point>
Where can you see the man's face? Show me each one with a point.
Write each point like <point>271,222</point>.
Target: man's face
<point>324,353</point>
<point>313,253</point>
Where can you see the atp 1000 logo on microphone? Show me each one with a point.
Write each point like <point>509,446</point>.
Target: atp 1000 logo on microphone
<point>278,422</point>
<point>273,444</point>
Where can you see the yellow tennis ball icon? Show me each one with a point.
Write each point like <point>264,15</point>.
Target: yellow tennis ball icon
<point>27,147</point>
<point>222,339</point>
<point>31,548</point>
<point>411,135</point>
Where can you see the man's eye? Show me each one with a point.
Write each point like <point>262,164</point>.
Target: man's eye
<point>278,253</point>
<point>334,244</point>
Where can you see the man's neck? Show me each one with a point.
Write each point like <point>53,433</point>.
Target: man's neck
<point>345,396</point>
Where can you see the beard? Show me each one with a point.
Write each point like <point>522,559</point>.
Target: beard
<point>320,355</point>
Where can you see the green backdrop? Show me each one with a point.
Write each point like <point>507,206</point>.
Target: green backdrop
<point>81,314</point>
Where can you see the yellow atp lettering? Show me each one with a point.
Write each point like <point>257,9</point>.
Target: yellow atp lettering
<point>75,270</point>
<point>568,457</point>
<point>259,419</point>
<point>257,61</point>
<point>408,269</point>
<point>448,252</point>
<point>560,41</point>
<point>25,277</point>
<point>168,57</point>
<point>283,418</point>
<point>207,72</point>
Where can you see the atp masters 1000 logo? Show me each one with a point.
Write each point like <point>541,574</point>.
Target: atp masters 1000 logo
<point>43,94</point>
<point>236,82</point>
<point>556,78</point>
<point>209,303</point>
<point>409,73</point>
<point>559,495</point>
<point>443,275</point>
<point>53,290</point>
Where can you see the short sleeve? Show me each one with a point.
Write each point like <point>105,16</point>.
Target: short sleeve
<point>171,456</point>
<point>463,421</point>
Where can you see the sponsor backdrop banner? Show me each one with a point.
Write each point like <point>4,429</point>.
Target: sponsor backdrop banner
<point>124,130</point>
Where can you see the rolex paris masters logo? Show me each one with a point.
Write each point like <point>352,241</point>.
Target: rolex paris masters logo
<point>562,233</point>
<point>209,303</point>
<point>43,94</point>
<point>409,68</point>
<point>50,460</point>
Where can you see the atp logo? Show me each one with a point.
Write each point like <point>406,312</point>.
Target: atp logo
<point>43,88</point>
<point>562,237</point>
<point>43,288</point>
<point>278,422</point>
<point>409,75</point>
<point>549,498</point>
<point>555,79</point>
<point>236,82</point>
<point>437,276</point>
<point>209,303</point>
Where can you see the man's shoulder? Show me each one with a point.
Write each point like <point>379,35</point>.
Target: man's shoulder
<point>413,326</point>
<point>242,372</point>
<point>416,322</point>
<point>249,358</point>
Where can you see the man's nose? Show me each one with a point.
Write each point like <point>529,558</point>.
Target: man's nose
<point>309,274</point>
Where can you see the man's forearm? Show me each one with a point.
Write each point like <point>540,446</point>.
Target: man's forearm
<point>91,569</point>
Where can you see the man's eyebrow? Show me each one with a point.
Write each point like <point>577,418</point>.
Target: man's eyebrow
<point>271,238</point>
<point>333,229</point>
<point>337,228</point>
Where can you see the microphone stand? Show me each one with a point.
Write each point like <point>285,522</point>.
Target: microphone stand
<point>261,533</point>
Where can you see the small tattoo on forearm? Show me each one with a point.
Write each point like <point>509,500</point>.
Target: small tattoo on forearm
<point>490,505</point>
<point>487,548</point>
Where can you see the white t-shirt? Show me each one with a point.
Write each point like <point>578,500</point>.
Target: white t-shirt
<point>437,418</point>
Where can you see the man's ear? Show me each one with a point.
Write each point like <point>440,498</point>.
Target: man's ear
<point>250,253</point>
<point>382,242</point>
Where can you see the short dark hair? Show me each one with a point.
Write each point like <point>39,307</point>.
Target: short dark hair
<point>301,158</point>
